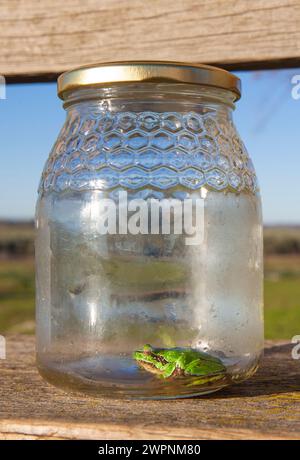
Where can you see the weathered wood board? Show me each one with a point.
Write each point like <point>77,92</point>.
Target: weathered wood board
<point>39,39</point>
<point>265,407</point>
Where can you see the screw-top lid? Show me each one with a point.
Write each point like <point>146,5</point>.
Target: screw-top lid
<point>147,72</point>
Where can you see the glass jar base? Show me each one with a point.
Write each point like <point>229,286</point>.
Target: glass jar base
<point>104,389</point>
<point>123,379</point>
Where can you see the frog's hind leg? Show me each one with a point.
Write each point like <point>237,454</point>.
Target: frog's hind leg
<point>205,368</point>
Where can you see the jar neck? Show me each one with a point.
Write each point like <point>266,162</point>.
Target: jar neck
<point>156,97</point>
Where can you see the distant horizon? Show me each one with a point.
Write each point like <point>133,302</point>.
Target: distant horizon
<point>24,221</point>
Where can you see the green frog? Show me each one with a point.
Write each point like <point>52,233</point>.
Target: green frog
<point>172,362</point>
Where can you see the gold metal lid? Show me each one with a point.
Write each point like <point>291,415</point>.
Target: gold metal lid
<point>147,71</point>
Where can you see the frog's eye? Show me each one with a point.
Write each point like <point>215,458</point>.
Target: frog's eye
<point>147,348</point>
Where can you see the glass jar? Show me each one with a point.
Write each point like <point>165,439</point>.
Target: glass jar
<point>149,236</point>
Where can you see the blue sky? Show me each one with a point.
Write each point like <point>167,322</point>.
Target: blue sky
<point>267,117</point>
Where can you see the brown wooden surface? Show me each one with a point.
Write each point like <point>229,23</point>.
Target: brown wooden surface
<point>265,407</point>
<point>43,38</point>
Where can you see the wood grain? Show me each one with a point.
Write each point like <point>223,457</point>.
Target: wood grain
<point>38,39</point>
<point>265,407</point>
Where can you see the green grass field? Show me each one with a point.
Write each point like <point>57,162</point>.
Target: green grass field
<point>17,295</point>
<point>282,296</point>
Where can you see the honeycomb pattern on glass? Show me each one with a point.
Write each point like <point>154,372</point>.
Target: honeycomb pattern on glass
<point>104,150</point>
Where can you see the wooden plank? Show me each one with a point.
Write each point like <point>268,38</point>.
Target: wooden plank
<point>265,407</point>
<point>38,39</point>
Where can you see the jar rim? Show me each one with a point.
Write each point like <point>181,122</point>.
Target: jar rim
<point>125,72</point>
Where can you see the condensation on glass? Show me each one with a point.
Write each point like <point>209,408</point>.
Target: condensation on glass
<point>157,131</point>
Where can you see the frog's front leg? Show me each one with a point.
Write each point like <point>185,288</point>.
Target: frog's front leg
<point>168,369</point>
<point>181,364</point>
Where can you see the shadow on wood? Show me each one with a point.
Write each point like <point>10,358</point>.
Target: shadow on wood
<point>278,374</point>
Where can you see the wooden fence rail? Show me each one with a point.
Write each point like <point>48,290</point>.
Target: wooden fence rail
<point>40,39</point>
